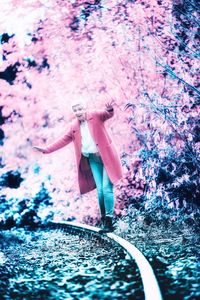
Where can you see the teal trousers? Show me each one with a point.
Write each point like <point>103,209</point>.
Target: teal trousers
<point>104,186</point>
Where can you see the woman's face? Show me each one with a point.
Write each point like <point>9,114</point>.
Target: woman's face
<point>79,111</point>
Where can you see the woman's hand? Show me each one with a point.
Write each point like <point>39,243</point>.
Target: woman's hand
<point>39,149</point>
<point>109,105</point>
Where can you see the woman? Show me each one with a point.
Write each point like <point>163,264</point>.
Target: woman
<point>98,163</point>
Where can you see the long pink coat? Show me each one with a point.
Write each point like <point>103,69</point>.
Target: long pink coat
<point>104,144</point>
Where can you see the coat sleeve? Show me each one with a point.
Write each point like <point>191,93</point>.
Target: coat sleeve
<point>105,114</point>
<point>60,143</point>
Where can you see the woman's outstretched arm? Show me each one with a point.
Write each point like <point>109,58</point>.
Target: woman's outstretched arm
<point>60,143</point>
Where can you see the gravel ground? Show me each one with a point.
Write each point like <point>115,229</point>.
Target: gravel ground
<point>53,264</point>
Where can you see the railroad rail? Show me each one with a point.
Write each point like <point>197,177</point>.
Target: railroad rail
<point>149,281</point>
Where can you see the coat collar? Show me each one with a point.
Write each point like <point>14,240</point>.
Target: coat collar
<point>89,116</point>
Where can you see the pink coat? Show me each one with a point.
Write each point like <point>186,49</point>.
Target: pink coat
<point>104,144</point>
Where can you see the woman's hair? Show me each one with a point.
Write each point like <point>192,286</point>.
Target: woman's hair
<point>79,101</point>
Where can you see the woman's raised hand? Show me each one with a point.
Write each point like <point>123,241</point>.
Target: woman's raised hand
<point>109,105</point>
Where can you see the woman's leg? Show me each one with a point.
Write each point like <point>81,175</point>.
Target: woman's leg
<point>97,171</point>
<point>108,194</point>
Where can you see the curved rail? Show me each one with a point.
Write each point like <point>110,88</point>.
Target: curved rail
<point>150,284</point>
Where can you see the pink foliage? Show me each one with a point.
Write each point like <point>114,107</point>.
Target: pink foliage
<point>98,50</point>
